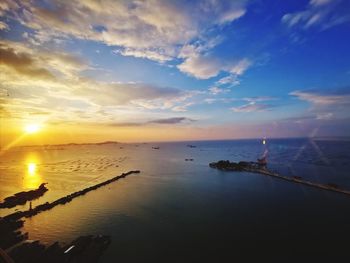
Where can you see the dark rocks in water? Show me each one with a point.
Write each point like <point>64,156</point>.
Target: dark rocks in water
<point>155,148</point>
<point>84,249</point>
<point>9,233</point>
<point>65,199</point>
<point>191,146</point>
<point>232,166</point>
<point>22,197</point>
<point>189,160</point>
<point>333,185</point>
<point>87,249</point>
<point>259,168</point>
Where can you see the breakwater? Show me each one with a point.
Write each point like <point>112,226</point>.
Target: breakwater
<point>65,199</point>
<point>22,197</point>
<point>253,167</point>
<point>10,224</point>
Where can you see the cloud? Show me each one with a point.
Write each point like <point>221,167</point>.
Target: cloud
<point>240,66</point>
<point>157,55</point>
<point>252,107</point>
<point>164,121</point>
<point>114,94</point>
<point>254,104</point>
<point>223,100</point>
<point>216,90</point>
<point>326,104</point>
<point>158,30</point>
<point>174,120</point>
<point>18,61</point>
<point>51,86</point>
<point>322,14</point>
<point>183,107</point>
<point>324,97</point>
<point>22,63</point>
<point>153,29</point>
<point>230,80</point>
<point>200,63</point>
<point>201,67</point>
<point>4,26</point>
<point>259,98</point>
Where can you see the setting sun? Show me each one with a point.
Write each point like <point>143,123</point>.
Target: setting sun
<point>32,128</point>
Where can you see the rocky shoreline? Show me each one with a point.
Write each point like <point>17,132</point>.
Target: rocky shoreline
<point>254,167</point>
<point>22,197</point>
<point>65,199</point>
<point>86,249</point>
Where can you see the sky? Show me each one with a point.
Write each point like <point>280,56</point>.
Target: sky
<point>158,70</point>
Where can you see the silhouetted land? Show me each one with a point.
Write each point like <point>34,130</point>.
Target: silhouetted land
<point>84,249</point>
<point>254,167</point>
<point>22,197</point>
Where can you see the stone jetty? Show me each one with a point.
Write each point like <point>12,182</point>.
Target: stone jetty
<point>13,242</point>
<point>254,167</point>
<point>65,199</point>
<point>22,197</point>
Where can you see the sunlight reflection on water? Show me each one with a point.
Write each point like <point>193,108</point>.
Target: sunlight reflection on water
<point>32,178</point>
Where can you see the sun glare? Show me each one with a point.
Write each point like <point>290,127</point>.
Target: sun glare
<point>32,128</point>
<point>31,168</point>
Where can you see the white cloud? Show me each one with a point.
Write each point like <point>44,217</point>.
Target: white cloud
<point>207,66</point>
<point>216,90</point>
<point>240,67</point>
<point>51,83</point>
<point>230,80</point>
<point>153,29</point>
<point>323,99</point>
<point>319,13</point>
<point>259,99</point>
<point>4,26</point>
<point>156,55</point>
<point>254,104</point>
<point>320,2</point>
<point>200,63</point>
<point>201,67</point>
<point>252,107</point>
<point>326,104</point>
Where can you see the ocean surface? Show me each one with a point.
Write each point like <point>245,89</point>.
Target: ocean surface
<point>184,211</point>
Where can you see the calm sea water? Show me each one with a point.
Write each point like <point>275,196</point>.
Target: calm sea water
<point>184,211</point>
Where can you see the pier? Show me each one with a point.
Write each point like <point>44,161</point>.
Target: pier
<point>253,167</point>
<point>83,249</point>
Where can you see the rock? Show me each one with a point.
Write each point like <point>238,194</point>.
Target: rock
<point>66,199</point>
<point>84,249</point>
<point>9,232</point>
<point>22,197</point>
<point>260,168</point>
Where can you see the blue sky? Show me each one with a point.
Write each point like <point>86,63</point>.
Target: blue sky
<point>202,69</point>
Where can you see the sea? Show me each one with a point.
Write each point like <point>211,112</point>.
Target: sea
<point>178,209</point>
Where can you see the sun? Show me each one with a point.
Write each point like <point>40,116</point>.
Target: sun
<point>32,128</point>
